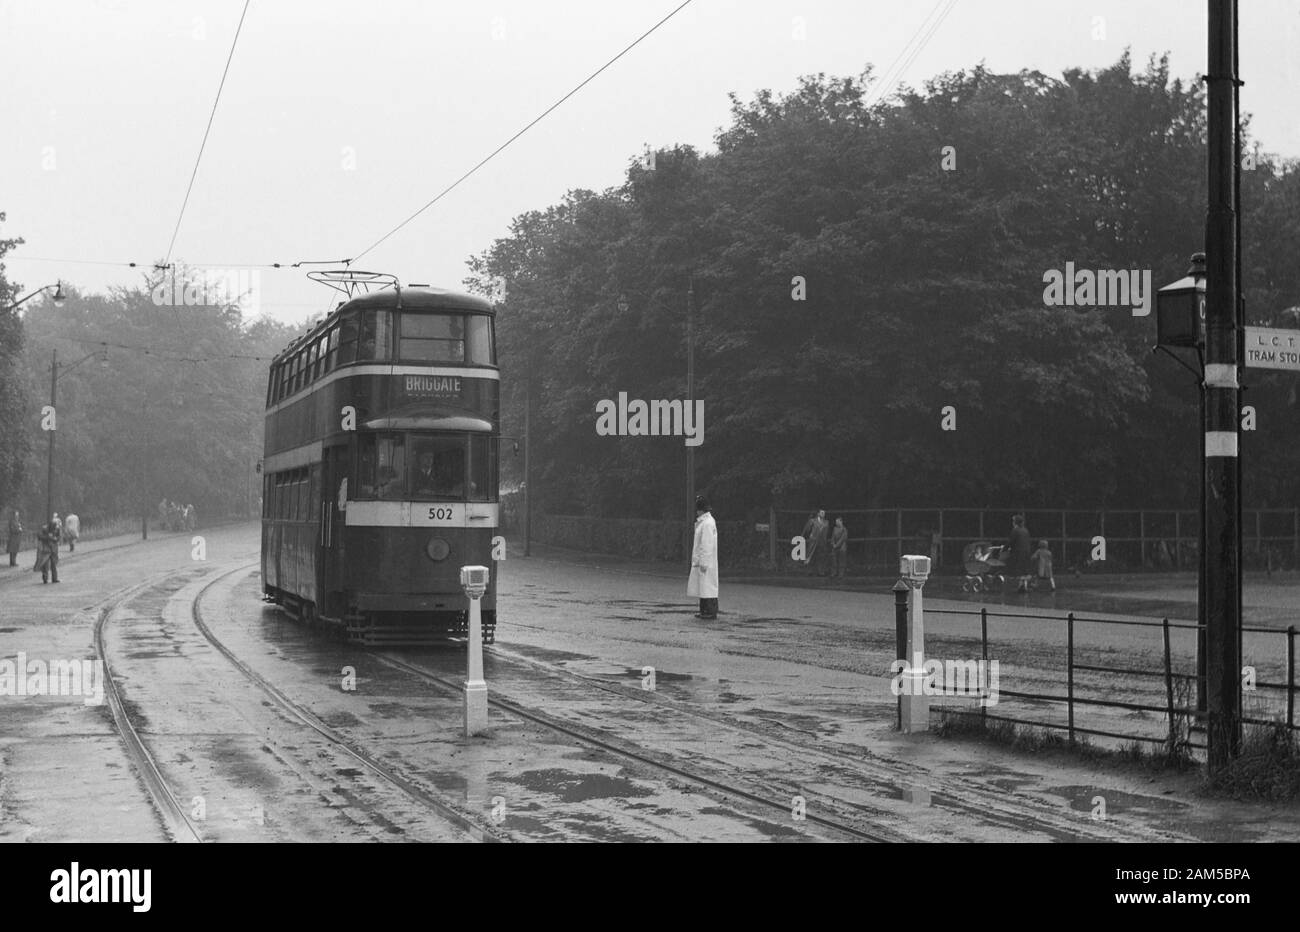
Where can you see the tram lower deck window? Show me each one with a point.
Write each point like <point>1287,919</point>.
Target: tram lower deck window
<point>426,467</point>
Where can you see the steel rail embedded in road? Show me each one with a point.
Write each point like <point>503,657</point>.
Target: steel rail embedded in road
<point>581,735</point>
<point>174,817</point>
<point>444,809</point>
<point>972,799</point>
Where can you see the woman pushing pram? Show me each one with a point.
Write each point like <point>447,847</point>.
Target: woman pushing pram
<point>988,565</point>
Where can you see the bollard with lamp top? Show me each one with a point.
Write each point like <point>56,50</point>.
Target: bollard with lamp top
<point>474,580</point>
<point>915,704</point>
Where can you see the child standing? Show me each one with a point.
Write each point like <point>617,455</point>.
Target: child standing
<point>1043,564</point>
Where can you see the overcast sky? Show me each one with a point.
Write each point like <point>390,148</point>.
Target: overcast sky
<point>340,118</point>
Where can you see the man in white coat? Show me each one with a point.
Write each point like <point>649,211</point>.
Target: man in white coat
<point>703,583</point>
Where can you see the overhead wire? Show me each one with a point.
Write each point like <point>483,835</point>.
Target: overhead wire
<point>451,187</point>
<point>903,60</point>
<point>203,145</point>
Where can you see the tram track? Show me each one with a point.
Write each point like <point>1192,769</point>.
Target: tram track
<point>627,751</point>
<point>1027,813</point>
<point>176,820</point>
<point>299,712</point>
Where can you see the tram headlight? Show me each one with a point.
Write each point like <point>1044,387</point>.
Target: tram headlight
<point>437,549</point>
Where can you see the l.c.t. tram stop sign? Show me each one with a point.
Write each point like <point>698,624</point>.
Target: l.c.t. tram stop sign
<point>1271,348</point>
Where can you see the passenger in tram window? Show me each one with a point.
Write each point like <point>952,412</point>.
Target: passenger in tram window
<point>424,482</point>
<point>366,467</point>
<point>390,485</point>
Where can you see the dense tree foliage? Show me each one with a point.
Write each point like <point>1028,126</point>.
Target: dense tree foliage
<point>13,402</point>
<point>923,267</point>
<point>175,411</point>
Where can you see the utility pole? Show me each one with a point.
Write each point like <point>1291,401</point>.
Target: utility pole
<point>54,414</point>
<point>690,399</point>
<point>528,461</point>
<point>1221,492</point>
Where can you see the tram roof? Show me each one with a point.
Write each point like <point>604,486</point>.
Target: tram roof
<point>422,297</point>
<point>414,297</point>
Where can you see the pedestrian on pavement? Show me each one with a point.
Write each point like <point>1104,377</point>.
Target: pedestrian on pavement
<point>814,534</point>
<point>71,531</point>
<point>1043,564</point>
<point>15,536</point>
<point>1019,552</point>
<point>839,548</point>
<point>47,552</point>
<point>703,583</point>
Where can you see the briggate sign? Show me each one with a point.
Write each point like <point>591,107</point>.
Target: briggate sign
<point>1271,348</point>
<point>432,386</point>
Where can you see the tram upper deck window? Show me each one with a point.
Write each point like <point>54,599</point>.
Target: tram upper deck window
<point>381,466</point>
<point>376,338</point>
<point>330,347</point>
<point>482,349</point>
<point>433,338</point>
<point>348,339</point>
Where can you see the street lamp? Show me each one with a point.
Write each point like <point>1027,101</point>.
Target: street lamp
<point>57,297</point>
<point>53,416</point>
<point>1180,309</point>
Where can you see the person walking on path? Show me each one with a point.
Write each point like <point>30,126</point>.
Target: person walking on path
<point>15,537</point>
<point>1043,565</point>
<point>1020,550</point>
<point>839,548</point>
<point>814,534</point>
<point>47,552</point>
<point>703,583</point>
<point>71,531</point>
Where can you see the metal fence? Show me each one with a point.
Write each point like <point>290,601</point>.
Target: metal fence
<point>1168,705</point>
<point>1150,539</point>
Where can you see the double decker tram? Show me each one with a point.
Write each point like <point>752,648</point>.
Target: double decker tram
<point>380,464</point>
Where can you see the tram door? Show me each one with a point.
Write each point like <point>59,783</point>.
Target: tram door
<point>333,493</point>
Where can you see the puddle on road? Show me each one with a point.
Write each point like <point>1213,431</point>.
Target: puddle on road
<point>770,829</point>
<point>573,787</point>
<point>659,674</point>
<point>1081,799</point>
<point>543,653</point>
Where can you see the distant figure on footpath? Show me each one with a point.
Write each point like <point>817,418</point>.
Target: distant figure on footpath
<point>47,552</point>
<point>71,531</point>
<point>839,548</point>
<point>15,537</point>
<point>703,583</point>
<point>1019,552</point>
<point>190,517</point>
<point>814,535</point>
<point>1043,565</point>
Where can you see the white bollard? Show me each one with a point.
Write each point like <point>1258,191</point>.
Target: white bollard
<point>916,704</point>
<point>474,580</point>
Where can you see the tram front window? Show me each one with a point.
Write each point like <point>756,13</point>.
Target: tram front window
<point>381,466</point>
<point>452,468</point>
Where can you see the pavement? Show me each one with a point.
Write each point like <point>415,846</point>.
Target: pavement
<point>805,662</point>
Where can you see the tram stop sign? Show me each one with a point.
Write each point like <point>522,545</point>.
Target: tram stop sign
<point>1271,348</point>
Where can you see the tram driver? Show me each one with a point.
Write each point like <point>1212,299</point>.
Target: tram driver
<point>424,481</point>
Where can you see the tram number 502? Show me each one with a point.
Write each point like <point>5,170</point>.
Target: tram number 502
<point>441,514</point>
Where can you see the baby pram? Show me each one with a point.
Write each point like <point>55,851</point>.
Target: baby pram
<point>985,565</point>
